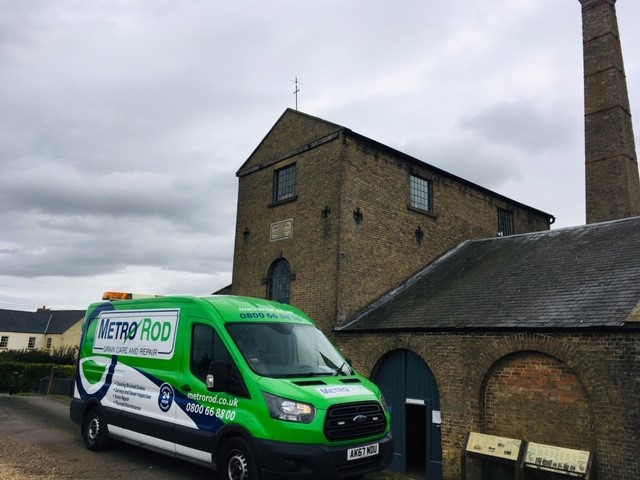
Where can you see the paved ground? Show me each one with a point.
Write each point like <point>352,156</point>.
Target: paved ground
<point>39,442</point>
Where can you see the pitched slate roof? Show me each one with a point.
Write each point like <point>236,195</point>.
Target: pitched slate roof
<point>50,322</point>
<point>573,278</point>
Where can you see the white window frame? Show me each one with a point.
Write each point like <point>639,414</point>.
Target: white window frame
<point>420,193</point>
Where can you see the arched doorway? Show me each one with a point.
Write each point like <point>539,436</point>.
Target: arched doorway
<point>412,394</point>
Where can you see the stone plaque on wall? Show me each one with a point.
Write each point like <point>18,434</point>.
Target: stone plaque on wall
<point>281,230</point>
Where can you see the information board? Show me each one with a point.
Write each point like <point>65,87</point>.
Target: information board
<point>524,456</point>
<point>501,447</point>
<point>557,459</point>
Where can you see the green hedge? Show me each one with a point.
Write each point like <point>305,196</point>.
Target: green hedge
<point>26,376</point>
<point>59,356</point>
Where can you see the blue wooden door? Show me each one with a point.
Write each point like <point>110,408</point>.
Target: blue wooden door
<point>412,395</point>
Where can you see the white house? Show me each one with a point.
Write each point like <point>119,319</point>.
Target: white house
<point>41,330</point>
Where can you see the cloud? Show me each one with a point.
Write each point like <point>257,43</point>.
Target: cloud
<point>522,125</point>
<point>97,246</point>
<point>122,124</point>
<point>487,165</point>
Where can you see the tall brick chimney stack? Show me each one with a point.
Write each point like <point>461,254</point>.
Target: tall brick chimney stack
<point>612,181</point>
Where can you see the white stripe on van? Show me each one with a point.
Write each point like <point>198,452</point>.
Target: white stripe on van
<point>148,440</point>
<point>193,453</point>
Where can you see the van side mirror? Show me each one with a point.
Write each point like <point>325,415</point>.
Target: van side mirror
<point>218,376</point>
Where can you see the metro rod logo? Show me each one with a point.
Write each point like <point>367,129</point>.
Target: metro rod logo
<point>137,333</point>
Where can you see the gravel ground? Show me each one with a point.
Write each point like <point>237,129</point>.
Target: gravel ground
<point>25,462</point>
<point>39,443</point>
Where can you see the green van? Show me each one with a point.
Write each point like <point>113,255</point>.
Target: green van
<point>247,386</point>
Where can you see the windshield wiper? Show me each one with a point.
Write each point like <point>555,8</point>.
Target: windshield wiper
<point>330,364</point>
<point>339,370</point>
<point>314,374</point>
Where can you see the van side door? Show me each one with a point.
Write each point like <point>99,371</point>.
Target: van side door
<point>203,412</point>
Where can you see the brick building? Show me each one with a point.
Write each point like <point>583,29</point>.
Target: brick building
<point>328,219</point>
<point>459,302</point>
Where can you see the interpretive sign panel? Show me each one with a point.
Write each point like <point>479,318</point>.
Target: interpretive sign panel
<point>501,447</point>
<point>502,452</point>
<point>576,463</point>
<point>492,452</point>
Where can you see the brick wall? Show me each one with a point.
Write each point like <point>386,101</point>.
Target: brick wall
<point>383,251</point>
<point>312,248</point>
<point>571,390</point>
<point>558,411</point>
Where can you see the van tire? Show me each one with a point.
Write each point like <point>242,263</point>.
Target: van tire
<point>94,430</point>
<point>239,461</point>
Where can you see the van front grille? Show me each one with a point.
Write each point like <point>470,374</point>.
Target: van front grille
<point>354,420</point>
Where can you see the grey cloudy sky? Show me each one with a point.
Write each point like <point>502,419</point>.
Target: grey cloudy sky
<point>122,123</point>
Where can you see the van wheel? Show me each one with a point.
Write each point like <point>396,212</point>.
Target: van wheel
<point>238,461</point>
<point>94,430</point>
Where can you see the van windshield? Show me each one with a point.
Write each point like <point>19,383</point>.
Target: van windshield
<point>287,350</point>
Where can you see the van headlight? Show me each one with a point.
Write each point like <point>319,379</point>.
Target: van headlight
<point>385,407</point>
<point>289,410</point>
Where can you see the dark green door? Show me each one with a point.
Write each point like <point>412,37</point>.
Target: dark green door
<point>412,395</point>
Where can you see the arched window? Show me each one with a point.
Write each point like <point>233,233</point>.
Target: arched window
<point>279,281</point>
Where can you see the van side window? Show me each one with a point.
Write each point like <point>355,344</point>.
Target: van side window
<point>206,347</point>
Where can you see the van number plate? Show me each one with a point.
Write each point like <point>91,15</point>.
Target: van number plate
<point>362,452</point>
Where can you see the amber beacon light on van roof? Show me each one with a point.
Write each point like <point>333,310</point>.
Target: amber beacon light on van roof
<point>125,296</point>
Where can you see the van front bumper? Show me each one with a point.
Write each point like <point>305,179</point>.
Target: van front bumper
<point>281,460</point>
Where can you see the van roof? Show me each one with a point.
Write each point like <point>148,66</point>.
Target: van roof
<point>230,307</point>
<point>247,305</point>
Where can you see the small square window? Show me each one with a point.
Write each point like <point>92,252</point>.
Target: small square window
<point>421,194</point>
<point>505,222</point>
<point>32,342</point>
<point>284,183</point>
<point>4,342</point>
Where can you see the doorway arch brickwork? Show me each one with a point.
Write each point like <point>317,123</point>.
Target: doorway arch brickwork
<point>534,396</point>
<point>539,388</point>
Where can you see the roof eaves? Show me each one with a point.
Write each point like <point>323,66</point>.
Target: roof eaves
<point>292,153</point>
<point>444,173</point>
<point>489,329</point>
